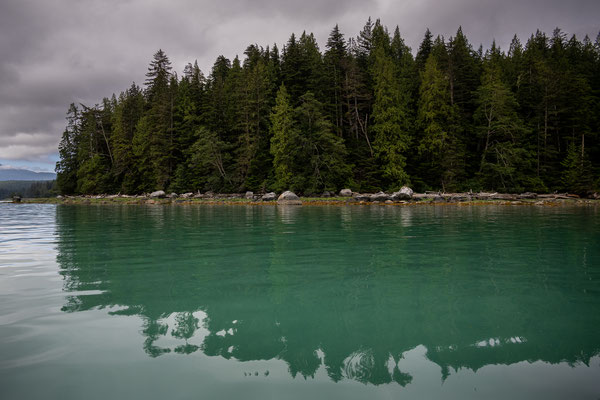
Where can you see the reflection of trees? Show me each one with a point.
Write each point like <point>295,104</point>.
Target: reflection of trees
<point>357,286</point>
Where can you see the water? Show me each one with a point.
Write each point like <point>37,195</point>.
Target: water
<point>181,302</point>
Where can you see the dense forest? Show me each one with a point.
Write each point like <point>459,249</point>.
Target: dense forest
<point>367,113</point>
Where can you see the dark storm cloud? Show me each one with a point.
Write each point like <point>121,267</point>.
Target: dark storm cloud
<point>63,51</point>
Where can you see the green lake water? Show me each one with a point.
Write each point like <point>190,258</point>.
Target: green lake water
<point>268,302</point>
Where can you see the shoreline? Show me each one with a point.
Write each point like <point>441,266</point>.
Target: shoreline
<point>418,199</point>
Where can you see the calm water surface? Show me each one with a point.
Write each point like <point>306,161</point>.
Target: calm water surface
<point>182,302</point>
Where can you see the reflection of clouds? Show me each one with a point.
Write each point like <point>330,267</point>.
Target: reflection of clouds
<point>494,342</point>
<point>358,365</point>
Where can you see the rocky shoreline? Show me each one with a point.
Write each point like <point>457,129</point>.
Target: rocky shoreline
<point>404,196</point>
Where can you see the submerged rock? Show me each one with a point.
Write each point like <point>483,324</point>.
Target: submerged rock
<point>345,193</point>
<point>269,196</point>
<point>288,197</point>
<point>157,194</point>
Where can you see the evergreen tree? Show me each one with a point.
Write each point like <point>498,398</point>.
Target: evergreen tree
<point>577,174</point>
<point>67,166</point>
<point>336,66</point>
<point>439,140</point>
<point>392,121</point>
<point>504,160</point>
<point>284,142</point>
<point>160,94</point>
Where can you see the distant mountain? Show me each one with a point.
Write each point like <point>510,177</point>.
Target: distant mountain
<point>17,174</point>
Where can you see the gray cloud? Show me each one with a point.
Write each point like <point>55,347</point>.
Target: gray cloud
<point>55,53</point>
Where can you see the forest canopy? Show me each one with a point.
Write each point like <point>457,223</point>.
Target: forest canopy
<point>366,113</point>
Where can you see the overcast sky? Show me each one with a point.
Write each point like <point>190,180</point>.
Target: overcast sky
<point>57,52</point>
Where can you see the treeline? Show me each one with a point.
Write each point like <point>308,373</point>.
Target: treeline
<point>28,189</point>
<point>364,114</point>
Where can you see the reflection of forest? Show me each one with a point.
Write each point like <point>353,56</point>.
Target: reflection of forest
<point>357,287</point>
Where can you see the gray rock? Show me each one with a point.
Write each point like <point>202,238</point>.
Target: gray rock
<point>269,196</point>
<point>388,202</point>
<point>198,196</point>
<point>249,195</point>
<point>345,193</point>
<point>361,197</point>
<point>289,198</point>
<point>326,194</point>
<point>16,199</point>
<point>187,195</point>
<point>157,194</point>
<point>172,196</point>
<point>287,195</point>
<point>380,196</point>
<point>405,193</point>
<point>59,197</point>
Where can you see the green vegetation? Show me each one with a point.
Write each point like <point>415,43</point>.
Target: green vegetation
<point>364,114</point>
<point>30,189</point>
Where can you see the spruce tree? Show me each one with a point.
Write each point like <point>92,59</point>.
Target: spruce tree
<point>284,141</point>
<point>392,121</point>
<point>439,139</point>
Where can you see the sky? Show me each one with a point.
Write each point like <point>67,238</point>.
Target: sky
<point>54,53</point>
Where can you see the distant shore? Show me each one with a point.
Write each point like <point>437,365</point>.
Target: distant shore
<point>357,199</point>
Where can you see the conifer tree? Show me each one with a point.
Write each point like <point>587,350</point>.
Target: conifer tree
<point>439,140</point>
<point>392,121</point>
<point>284,141</point>
<point>67,166</point>
<point>503,158</point>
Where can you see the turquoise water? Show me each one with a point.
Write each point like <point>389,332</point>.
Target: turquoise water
<point>182,302</point>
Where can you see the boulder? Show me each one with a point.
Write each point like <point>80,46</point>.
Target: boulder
<point>269,196</point>
<point>172,196</point>
<point>326,194</point>
<point>249,195</point>
<point>361,197</point>
<point>16,199</point>
<point>290,198</point>
<point>345,193</point>
<point>380,196</point>
<point>405,193</point>
<point>187,195</point>
<point>157,194</point>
